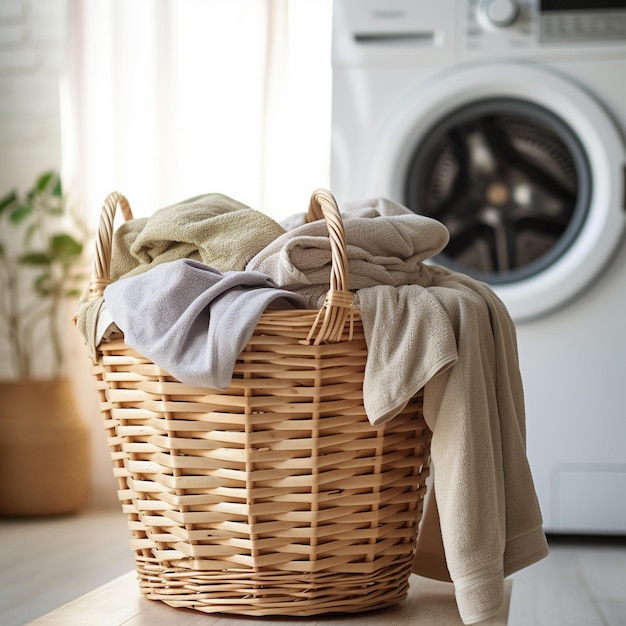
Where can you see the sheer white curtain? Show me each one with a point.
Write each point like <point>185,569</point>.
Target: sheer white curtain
<point>166,99</point>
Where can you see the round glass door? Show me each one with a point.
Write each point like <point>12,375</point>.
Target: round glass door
<point>511,182</point>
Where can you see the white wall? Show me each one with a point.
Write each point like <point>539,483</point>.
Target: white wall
<point>32,37</point>
<point>32,46</point>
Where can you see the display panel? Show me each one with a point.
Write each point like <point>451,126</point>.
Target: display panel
<point>581,5</point>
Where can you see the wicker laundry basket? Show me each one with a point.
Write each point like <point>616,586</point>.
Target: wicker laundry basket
<point>275,496</point>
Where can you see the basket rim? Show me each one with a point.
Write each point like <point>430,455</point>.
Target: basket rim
<point>331,318</point>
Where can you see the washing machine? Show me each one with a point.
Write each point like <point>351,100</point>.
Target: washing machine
<point>506,120</point>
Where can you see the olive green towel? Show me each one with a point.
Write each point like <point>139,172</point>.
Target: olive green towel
<point>213,228</point>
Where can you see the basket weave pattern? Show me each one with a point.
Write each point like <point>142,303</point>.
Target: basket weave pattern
<point>276,495</point>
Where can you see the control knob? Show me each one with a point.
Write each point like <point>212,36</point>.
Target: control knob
<point>499,13</point>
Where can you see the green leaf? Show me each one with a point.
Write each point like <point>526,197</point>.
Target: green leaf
<point>30,233</point>
<point>64,246</point>
<point>57,190</point>
<point>35,258</point>
<point>21,213</point>
<point>49,183</point>
<point>43,181</point>
<point>8,200</point>
<point>43,284</point>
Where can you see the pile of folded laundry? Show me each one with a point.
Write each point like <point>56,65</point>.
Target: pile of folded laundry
<point>191,282</point>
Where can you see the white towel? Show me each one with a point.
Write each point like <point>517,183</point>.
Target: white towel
<point>192,320</point>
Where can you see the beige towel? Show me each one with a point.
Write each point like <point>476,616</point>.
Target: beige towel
<point>381,251</point>
<point>410,340</point>
<point>87,323</point>
<point>486,507</point>
<point>373,207</point>
<point>213,229</point>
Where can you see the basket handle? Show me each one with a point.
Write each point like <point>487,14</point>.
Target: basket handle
<point>338,303</point>
<point>331,318</point>
<point>101,269</point>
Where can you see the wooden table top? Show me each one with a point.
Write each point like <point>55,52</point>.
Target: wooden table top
<point>429,603</point>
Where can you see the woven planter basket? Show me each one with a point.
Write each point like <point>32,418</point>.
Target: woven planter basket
<point>275,496</point>
<point>44,449</point>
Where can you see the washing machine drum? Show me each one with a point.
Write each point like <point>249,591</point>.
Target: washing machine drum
<point>509,179</point>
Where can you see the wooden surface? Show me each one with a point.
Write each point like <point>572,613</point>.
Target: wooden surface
<point>429,603</point>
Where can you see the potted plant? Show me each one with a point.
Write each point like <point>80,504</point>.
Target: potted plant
<point>43,442</point>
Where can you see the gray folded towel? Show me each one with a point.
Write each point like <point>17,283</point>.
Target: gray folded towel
<point>192,320</point>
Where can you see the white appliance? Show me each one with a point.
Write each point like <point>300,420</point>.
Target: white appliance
<point>506,120</point>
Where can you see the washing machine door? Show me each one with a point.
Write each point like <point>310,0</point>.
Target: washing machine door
<point>524,167</point>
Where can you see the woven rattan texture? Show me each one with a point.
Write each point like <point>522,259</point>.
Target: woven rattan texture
<point>276,495</point>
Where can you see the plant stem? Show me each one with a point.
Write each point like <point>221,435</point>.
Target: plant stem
<point>19,355</point>
<point>55,335</point>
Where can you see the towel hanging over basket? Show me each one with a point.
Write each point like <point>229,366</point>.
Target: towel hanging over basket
<point>276,495</point>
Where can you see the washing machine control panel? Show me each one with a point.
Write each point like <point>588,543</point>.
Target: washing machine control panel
<point>425,34</point>
<point>510,26</point>
<point>572,21</point>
